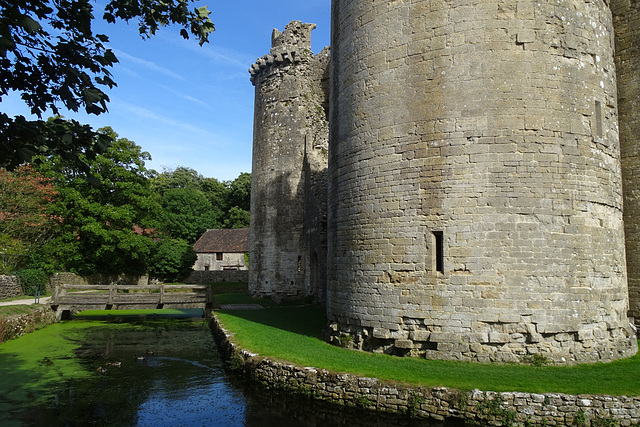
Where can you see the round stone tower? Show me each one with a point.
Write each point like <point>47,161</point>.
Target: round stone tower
<point>475,196</point>
<point>288,183</point>
<point>627,30</point>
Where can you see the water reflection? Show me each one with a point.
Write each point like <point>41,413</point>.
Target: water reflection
<point>168,373</point>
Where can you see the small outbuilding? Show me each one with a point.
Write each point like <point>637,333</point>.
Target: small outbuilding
<point>222,249</point>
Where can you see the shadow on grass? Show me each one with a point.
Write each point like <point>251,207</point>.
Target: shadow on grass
<point>308,320</point>
<point>259,332</point>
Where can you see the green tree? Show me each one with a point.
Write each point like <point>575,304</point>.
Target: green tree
<point>187,214</point>
<point>24,223</point>
<point>218,195</point>
<point>104,219</point>
<point>229,202</point>
<point>240,192</point>
<point>173,260</point>
<point>186,178</point>
<point>236,218</point>
<point>180,177</point>
<point>50,54</point>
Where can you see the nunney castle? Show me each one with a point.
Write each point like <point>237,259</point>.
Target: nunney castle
<point>455,179</point>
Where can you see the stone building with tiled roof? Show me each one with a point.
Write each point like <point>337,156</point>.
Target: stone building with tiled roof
<point>222,249</point>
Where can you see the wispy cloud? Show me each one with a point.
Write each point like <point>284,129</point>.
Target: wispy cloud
<point>216,54</point>
<point>226,56</point>
<point>147,114</point>
<point>147,64</point>
<point>186,97</point>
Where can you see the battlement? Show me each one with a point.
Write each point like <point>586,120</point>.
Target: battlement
<point>267,62</point>
<point>291,46</point>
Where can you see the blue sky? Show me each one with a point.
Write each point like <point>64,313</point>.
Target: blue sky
<point>189,105</point>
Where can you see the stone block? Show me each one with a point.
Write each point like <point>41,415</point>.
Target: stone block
<point>448,337</point>
<point>419,335</point>
<point>526,36</point>
<point>498,338</point>
<point>403,344</point>
<point>381,333</point>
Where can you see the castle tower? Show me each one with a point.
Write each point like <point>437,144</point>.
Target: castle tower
<point>474,181</point>
<point>288,185</point>
<point>627,31</point>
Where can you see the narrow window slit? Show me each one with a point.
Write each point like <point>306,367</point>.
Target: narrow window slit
<point>598,119</point>
<point>439,248</point>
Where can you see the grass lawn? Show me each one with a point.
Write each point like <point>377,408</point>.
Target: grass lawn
<point>10,310</point>
<point>293,334</point>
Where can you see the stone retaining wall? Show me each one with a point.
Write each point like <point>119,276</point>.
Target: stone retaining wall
<point>482,407</point>
<point>218,276</point>
<point>12,327</point>
<point>9,287</point>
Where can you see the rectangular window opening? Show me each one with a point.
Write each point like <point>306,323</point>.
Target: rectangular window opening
<point>299,263</point>
<point>599,132</point>
<point>439,249</point>
<point>218,256</point>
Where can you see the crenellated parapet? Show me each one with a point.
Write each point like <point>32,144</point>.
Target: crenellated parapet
<point>287,48</point>
<point>265,64</point>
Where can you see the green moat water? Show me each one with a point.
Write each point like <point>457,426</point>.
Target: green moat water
<point>146,371</point>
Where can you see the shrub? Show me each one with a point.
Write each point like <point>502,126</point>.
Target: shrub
<point>32,279</point>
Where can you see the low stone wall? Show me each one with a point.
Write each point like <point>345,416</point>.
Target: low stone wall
<point>482,407</point>
<point>12,327</point>
<point>212,276</point>
<point>9,287</point>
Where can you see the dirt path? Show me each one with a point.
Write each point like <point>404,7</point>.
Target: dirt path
<point>43,300</point>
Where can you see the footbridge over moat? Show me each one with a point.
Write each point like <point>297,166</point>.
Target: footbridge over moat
<point>75,298</point>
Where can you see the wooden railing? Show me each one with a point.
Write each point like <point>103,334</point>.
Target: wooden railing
<point>122,297</point>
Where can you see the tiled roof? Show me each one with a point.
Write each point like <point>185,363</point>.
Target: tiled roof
<point>223,240</point>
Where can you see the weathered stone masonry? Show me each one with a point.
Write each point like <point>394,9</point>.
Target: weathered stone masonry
<point>627,35</point>
<point>288,186</point>
<point>475,194</point>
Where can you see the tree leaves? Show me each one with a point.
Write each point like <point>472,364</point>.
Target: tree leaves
<point>30,25</point>
<point>106,221</point>
<point>24,222</point>
<point>50,55</point>
<point>228,200</point>
<point>21,139</point>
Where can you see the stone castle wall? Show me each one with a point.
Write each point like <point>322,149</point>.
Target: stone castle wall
<point>474,194</point>
<point>474,180</point>
<point>288,194</point>
<point>627,42</point>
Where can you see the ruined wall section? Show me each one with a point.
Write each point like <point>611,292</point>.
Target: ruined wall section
<point>288,203</point>
<point>315,179</point>
<point>474,181</point>
<point>627,36</point>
